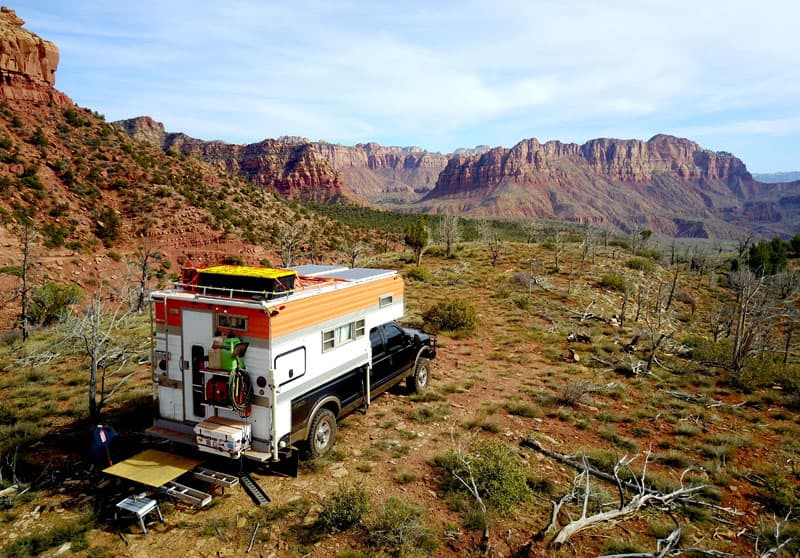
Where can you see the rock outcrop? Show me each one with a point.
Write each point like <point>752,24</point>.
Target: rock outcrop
<point>294,170</point>
<point>28,63</point>
<point>300,169</point>
<point>383,174</point>
<point>671,184</point>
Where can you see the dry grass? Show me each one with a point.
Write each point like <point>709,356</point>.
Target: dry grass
<point>508,378</point>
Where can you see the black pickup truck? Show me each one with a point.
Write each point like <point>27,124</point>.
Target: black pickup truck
<point>398,353</point>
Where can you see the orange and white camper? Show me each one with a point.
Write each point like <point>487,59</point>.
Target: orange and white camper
<point>254,362</point>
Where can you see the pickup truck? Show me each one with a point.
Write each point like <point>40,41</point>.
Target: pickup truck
<point>398,353</point>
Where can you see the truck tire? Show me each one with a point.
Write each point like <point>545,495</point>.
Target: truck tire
<point>418,381</point>
<point>322,434</point>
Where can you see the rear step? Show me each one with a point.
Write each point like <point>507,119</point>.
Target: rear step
<point>187,494</point>
<point>215,477</point>
<point>256,493</point>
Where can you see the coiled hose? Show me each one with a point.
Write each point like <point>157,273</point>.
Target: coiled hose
<point>240,390</point>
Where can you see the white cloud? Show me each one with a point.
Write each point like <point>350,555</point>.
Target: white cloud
<point>455,73</point>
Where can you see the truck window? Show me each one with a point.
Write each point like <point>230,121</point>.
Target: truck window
<point>394,337</point>
<point>376,341</point>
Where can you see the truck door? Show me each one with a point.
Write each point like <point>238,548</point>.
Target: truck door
<point>381,361</point>
<point>400,346</point>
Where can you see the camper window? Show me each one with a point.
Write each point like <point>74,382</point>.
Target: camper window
<point>338,336</point>
<point>226,321</point>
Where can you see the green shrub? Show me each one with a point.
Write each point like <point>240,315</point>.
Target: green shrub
<point>522,409</point>
<point>436,251</point>
<point>50,301</point>
<point>499,474</point>
<point>651,254</point>
<point>233,260</point>
<point>71,531</point>
<point>38,138</point>
<point>452,315</point>
<point>344,508</point>
<point>418,274</point>
<point>19,434</point>
<point>108,226</point>
<point>638,264</point>
<point>55,235</point>
<point>400,529</point>
<point>614,282</point>
<point>777,494</point>
<point>429,413</point>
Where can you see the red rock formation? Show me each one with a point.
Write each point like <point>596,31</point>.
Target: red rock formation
<point>294,170</point>
<point>298,168</point>
<point>379,174</point>
<point>28,63</point>
<point>670,183</point>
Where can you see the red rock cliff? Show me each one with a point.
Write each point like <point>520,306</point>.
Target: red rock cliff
<point>298,168</point>
<point>379,173</point>
<point>28,63</point>
<point>294,169</point>
<point>670,183</point>
<point>631,161</point>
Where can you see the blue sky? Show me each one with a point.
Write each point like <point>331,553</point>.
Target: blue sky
<point>440,74</point>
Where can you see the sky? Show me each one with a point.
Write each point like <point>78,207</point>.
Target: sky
<point>440,74</point>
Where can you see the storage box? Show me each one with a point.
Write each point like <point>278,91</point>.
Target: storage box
<point>215,353</point>
<point>223,436</point>
<point>235,280</point>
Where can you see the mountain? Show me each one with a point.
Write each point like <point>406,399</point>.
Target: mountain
<point>289,166</point>
<point>300,169</point>
<point>94,195</point>
<point>672,185</point>
<point>777,177</point>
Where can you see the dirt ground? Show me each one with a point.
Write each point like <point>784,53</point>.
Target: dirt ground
<point>389,450</point>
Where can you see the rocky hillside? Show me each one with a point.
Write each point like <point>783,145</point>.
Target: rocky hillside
<point>300,169</point>
<point>95,196</point>
<point>384,175</point>
<point>669,184</point>
<point>292,168</point>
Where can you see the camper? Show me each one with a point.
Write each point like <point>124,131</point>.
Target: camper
<point>258,362</point>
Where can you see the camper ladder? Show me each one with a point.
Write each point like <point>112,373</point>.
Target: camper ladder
<point>186,494</point>
<point>256,493</point>
<point>215,477</point>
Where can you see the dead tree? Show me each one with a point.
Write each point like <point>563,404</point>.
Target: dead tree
<point>642,498</point>
<point>24,231</point>
<point>449,232</point>
<point>491,237</point>
<point>778,543</point>
<point>143,260</point>
<point>556,247</point>
<point>289,239</point>
<point>672,288</point>
<point>352,250</point>
<point>107,352</point>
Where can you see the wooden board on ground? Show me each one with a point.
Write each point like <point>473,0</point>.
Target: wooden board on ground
<point>152,467</point>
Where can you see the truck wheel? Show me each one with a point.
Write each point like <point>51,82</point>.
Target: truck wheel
<point>418,381</point>
<point>322,433</point>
